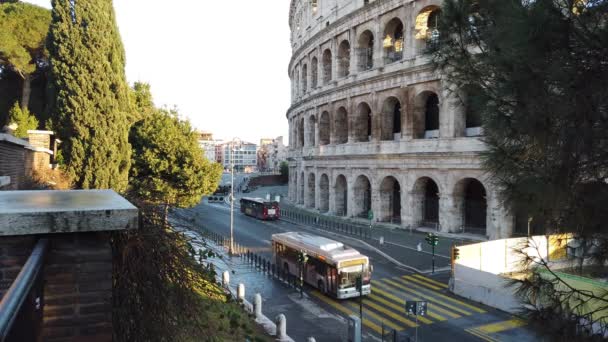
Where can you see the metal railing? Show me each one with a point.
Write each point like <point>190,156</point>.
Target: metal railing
<point>23,301</point>
<point>325,222</point>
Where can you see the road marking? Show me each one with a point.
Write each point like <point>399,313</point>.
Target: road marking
<point>501,326</point>
<point>481,335</point>
<point>431,311</point>
<point>410,278</point>
<point>432,281</point>
<point>378,318</point>
<point>426,296</point>
<point>456,301</point>
<point>346,311</point>
<point>390,313</point>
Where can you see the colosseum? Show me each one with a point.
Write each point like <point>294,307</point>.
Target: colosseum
<point>374,127</point>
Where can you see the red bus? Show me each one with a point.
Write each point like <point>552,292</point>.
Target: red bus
<point>260,208</point>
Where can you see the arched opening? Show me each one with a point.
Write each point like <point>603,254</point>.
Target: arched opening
<point>310,202</point>
<point>324,193</point>
<point>341,126</point>
<point>425,197</point>
<point>304,78</point>
<point>326,66</point>
<point>312,125</point>
<point>341,196</point>
<point>314,66</point>
<point>390,201</point>
<point>427,25</point>
<point>472,105</point>
<point>365,51</point>
<point>344,59</point>
<point>301,133</point>
<point>301,189</point>
<point>393,41</point>
<point>324,129</point>
<point>391,119</point>
<point>363,197</point>
<point>426,115</point>
<point>471,204</point>
<point>363,120</point>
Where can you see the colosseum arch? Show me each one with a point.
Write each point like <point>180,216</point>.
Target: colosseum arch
<point>362,128</point>
<point>426,115</point>
<point>301,132</point>
<point>472,112</point>
<point>365,51</point>
<point>304,78</point>
<point>310,193</point>
<point>324,129</point>
<point>393,41</point>
<point>390,119</point>
<point>427,26</point>
<point>340,126</point>
<point>341,196</point>
<point>301,189</point>
<point>326,66</point>
<point>344,59</point>
<point>314,72</point>
<point>312,127</point>
<point>470,199</point>
<point>425,208</point>
<point>390,200</point>
<point>363,196</point>
<point>324,193</point>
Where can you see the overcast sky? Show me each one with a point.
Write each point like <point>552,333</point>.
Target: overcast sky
<point>222,63</point>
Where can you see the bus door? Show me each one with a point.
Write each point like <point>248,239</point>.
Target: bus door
<point>332,279</point>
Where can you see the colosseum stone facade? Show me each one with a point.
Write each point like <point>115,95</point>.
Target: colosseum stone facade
<point>372,126</point>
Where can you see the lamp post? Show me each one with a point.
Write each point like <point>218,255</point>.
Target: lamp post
<point>231,247</point>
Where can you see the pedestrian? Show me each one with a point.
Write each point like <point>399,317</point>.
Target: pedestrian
<point>419,247</point>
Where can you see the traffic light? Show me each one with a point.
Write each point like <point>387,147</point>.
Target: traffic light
<point>358,283</point>
<point>432,239</point>
<point>302,258</point>
<point>456,253</point>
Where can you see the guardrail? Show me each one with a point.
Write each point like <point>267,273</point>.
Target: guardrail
<point>21,306</point>
<point>330,223</point>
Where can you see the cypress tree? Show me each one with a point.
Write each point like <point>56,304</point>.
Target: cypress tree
<point>90,96</point>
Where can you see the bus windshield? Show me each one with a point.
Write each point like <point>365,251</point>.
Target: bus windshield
<point>348,276</point>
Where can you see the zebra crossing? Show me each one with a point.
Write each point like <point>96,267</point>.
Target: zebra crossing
<point>384,308</point>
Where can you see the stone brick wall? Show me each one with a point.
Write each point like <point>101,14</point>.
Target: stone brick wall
<point>77,283</point>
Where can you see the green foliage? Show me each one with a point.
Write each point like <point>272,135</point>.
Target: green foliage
<point>23,119</point>
<point>142,98</point>
<point>23,29</point>
<point>168,165</point>
<point>539,71</point>
<point>284,170</point>
<point>91,103</point>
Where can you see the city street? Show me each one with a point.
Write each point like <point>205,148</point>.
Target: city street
<point>449,318</point>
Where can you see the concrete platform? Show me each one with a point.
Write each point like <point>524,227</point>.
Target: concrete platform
<point>47,212</point>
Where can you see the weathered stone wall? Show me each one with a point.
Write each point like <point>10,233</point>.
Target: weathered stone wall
<point>366,139</point>
<point>77,283</point>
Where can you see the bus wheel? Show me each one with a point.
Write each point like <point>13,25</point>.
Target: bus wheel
<point>321,286</point>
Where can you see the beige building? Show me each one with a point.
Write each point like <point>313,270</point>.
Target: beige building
<point>372,126</point>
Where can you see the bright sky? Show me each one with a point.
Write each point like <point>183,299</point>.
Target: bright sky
<point>222,63</point>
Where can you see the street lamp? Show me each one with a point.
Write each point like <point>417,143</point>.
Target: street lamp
<point>232,143</point>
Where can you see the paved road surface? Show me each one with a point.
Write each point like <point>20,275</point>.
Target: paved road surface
<point>449,318</point>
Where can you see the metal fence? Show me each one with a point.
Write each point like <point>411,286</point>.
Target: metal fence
<point>22,305</point>
<point>328,223</point>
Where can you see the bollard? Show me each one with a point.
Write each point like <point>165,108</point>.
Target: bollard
<point>281,323</point>
<point>257,306</point>
<point>311,339</point>
<point>240,292</point>
<point>226,279</point>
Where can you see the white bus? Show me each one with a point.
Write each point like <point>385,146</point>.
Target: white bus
<point>332,267</point>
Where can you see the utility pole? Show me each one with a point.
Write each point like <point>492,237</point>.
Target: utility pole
<point>231,247</point>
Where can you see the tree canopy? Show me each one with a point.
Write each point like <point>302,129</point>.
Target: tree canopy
<point>24,120</point>
<point>23,30</point>
<point>91,106</point>
<point>536,72</point>
<point>169,167</point>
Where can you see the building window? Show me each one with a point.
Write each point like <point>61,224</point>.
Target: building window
<point>393,41</point>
